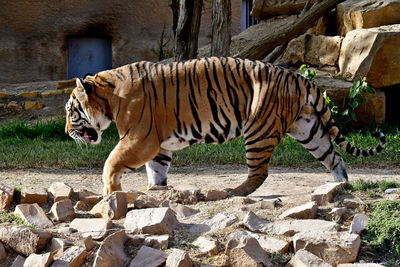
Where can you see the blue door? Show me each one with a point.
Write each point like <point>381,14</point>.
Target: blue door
<point>88,55</point>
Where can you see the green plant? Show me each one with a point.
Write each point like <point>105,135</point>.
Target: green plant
<point>307,73</point>
<point>383,229</point>
<point>162,51</point>
<point>12,218</point>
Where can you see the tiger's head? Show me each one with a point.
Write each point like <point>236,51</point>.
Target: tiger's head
<point>86,116</point>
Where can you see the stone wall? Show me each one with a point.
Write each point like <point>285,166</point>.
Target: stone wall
<point>33,34</point>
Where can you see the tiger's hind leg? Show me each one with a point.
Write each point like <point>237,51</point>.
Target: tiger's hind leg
<point>309,130</point>
<point>157,168</point>
<point>259,149</point>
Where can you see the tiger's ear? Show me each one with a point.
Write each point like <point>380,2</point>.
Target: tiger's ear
<point>84,85</point>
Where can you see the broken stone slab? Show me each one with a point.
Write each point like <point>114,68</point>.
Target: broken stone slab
<point>286,227</point>
<point>352,203</point>
<point>34,214</point>
<point>156,241</point>
<point>359,223</point>
<point>207,245</point>
<point>318,50</point>
<point>145,202</point>
<point>89,243</point>
<point>63,210</point>
<point>361,14</point>
<point>270,204</point>
<point>156,221</point>
<point>185,194</point>
<point>82,206</point>
<point>147,256</point>
<point>326,193</point>
<point>111,251</point>
<point>305,211</point>
<point>112,206</point>
<point>332,247</point>
<point>58,246</point>
<point>181,210</point>
<point>366,52</point>
<point>178,258</point>
<point>337,214</point>
<point>39,259</point>
<point>60,191</point>
<point>3,253</point>
<point>392,190</point>
<point>6,197</point>
<point>215,195</point>
<point>247,253</point>
<point>23,239</point>
<point>214,223</point>
<point>132,195</point>
<point>271,245</point>
<point>304,258</point>
<point>18,262</point>
<point>263,9</point>
<point>361,265</point>
<point>72,257</point>
<point>88,197</point>
<point>96,227</point>
<point>34,195</point>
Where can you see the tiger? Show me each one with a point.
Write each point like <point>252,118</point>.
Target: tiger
<point>159,108</point>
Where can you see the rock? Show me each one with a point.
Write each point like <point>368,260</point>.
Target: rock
<point>65,230</point>
<point>366,52</point>
<point>132,195</point>
<point>88,197</point>
<point>3,253</point>
<point>207,245</point>
<point>34,214</point>
<point>148,257</point>
<point>269,244</point>
<point>358,224</point>
<point>214,195</point>
<point>332,247</point>
<point>32,94</point>
<point>82,206</point>
<point>6,197</point>
<point>63,211</point>
<point>34,195</point>
<point>24,240</point>
<point>286,227</point>
<point>157,241</point>
<point>306,211</point>
<point>13,105</point>
<point>156,221</point>
<point>58,246</point>
<point>361,265</point>
<point>33,105</point>
<point>4,95</point>
<point>392,190</point>
<point>111,251</point>
<point>60,191</point>
<point>337,214</point>
<point>214,223</point>
<point>137,240</point>
<point>89,243</point>
<point>304,258</point>
<point>145,202</point>
<point>181,210</point>
<point>51,93</point>
<point>19,261</point>
<point>112,206</point>
<point>247,253</point>
<point>263,9</point>
<point>96,227</point>
<point>178,258</point>
<point>72,257</point>
<point>361,14</point>
<point>352,203</point>
<point>270,204</point>
<point>312,49</point>
<point>325,193</point>
<point>184,194</point>
<point>39,260</point>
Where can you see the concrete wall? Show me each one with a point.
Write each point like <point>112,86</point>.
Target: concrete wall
<point>33,34</point>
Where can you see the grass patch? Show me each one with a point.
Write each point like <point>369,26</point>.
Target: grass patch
<point>45,145</point>
<point>365,186</point>
<point>12,218</point>
<point>382,233</point>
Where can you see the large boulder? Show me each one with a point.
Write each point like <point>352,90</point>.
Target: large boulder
<point>361,14</point>
<point>372,53</point>
<point>263,9</point>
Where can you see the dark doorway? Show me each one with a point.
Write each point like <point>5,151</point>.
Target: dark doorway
<point>88,55</point>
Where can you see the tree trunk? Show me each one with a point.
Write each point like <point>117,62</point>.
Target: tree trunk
<point>187,31</point>
<point>221,28</point>
<point>174,5</point>
<point>261,47</point>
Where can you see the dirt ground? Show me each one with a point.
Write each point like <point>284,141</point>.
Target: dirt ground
<point>293,186</point>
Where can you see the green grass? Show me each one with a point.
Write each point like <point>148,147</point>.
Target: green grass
<point>365,186</point>
<point>45,145</point>
<point>382,233</point>
<point>12,218</point>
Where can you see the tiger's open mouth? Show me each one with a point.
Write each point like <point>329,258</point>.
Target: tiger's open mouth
<point>89,135</point>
